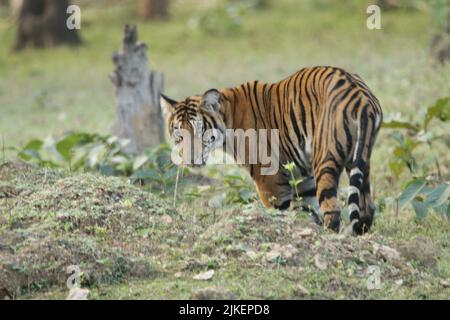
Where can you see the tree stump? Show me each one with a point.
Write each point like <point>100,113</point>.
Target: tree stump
<point>138,92</point>
<point>43,23</point>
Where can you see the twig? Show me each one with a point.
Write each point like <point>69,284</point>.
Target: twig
<point>180,168</point>
<point>3,148</point>
<point>435,160</point>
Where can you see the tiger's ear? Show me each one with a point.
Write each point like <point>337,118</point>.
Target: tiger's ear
<point>167,104</point>
<point>211,99</point>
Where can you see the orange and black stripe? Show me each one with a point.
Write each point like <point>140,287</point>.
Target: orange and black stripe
<point>328,120</point>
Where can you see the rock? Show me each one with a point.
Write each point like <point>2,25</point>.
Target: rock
<point>445,283</point>
<point>285,252</point>
<point>387,253</point>
<point>303,233</point>
<point>319,262</point>
<point>212,293</point>
<point>78,294</point>
<point>207,275</point>
<point>420,249</point>
<point>251,254</point>
<point>300,291</point>
<point>166,219</point>
<point>399,282</point>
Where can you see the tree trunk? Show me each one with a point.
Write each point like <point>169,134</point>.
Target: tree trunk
<point>440,46</point>
<point>153,9</point>
<point>43,23</point>
<point>138,92</point>
<point>389,4</point>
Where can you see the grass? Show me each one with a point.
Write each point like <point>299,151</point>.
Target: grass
<point>131,244</point>
<point>50,91</point>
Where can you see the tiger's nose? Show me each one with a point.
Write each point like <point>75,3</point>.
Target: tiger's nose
<point>192,153</point>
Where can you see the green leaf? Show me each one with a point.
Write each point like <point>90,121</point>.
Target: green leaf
<point>171,173</point>
<point>246,195</point>
<point>412,190</point>
<point>30,154</point>
<point>217,201</point>
<point>443,209</point>
<point>31,150</point>
<point>438,195</point>
<point>234,177</point>
<point>95,152</point>
<point>440,110</point>
<point>68,142</point>
<point>119,159</point>
<point>295,182</point>
<point>396,167</point>
<point>290,166</point>
<point>420,208</point>
<point>106,169</point>
<point>139,161</point>
<point>397,124</point>
<point>34,144</point>
<point>145,174</point>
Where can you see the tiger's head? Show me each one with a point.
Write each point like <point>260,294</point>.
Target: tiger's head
<point>195,126</point>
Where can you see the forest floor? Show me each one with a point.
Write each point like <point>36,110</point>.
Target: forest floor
<point>130,243</point>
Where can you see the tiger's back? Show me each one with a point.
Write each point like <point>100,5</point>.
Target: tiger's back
<point>327,120</point>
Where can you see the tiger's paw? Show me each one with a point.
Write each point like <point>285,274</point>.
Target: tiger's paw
<point>362,225</point>
<point>332,220</point>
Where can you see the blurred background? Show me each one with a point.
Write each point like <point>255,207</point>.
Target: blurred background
<point>201,44</point>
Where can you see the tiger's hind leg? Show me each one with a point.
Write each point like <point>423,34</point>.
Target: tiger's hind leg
<point>360,204</point>
<point>368,206</point>
<point>327,173</point>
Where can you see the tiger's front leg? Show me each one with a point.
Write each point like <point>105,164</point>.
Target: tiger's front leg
<point>306,200</point>
<point>274,190</point>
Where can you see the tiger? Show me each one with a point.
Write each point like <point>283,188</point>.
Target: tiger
<point>328,120</point>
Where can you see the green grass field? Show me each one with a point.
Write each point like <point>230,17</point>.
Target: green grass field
<point>51,91</point>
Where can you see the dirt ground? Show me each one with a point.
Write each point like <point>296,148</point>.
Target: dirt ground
<point>129,243</point>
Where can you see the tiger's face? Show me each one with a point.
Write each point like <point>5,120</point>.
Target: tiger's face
<point>195,126</point>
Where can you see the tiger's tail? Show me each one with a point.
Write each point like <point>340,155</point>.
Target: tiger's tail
<point>360,207</point>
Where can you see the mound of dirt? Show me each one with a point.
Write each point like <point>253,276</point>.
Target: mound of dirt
<point>272,238</point>
<point>51,220</point>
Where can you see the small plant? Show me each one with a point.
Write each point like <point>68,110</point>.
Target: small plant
<point>425,195</point>
<point>440,12</point>
<point>155,169</point>
<point>233,187</point>
<point>238,189</point>
<point>294,182</point>
<point>79,151</point>
<point>425,191</point>
<point>418,135</point>
<point>226,18</point>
